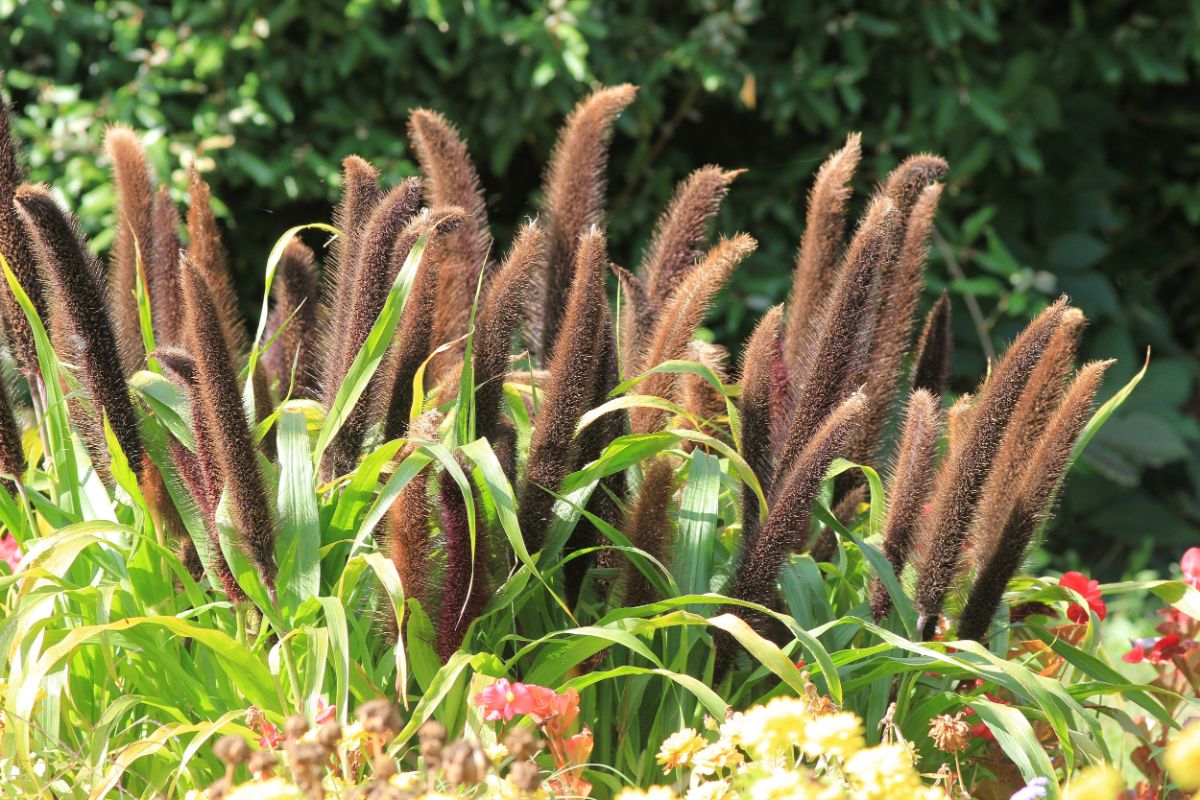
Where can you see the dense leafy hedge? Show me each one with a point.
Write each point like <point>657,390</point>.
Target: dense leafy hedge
<point>1068,126</point>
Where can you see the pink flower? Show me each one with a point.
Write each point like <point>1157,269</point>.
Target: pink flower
<point>1190,564</point>
<point>10,552</point>
<point>1090,591</point>
<point>325,712</point>
<point>504,700</point>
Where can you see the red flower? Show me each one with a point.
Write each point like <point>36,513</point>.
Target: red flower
<point>10,552</point>
<point>1190,564</point>
<point>1161,651</point>
<point>269,740</point>
<point>1090,591</point>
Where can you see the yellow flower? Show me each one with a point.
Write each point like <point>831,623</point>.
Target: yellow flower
<point>713,790</point>
<point>838,735</point>
<point>406,781</point>
<point>1097,782</point>
<point>773,727</point>
<point>496,752</point>
<point>273,789</point>
<point>784,784</point>
<point>679,748</point>
<point>653,793</point>
<point>1182,758</point>
<point>731,729</point>
<point>717,756</point>
<point>882,772</point>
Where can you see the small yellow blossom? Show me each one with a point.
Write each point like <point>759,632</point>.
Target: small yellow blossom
<point>1182,758</point>
<point>712,790</point>
<point>717,756</point>
<point>273,789</point>
<point>836,735</point>
<point>679,748</point>
<point>882,772</point>
<point>731,729</point>
<point>653,793</point>
<point>776,726</point>
<point>1097,782</point>
<point>496,752</point>
<point>784,784</point>
<point>406,781</point>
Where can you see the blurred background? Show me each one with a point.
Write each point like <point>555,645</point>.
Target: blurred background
<point>1071,127</point>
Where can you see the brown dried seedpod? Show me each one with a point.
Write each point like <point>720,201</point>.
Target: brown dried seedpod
<point>908,490</point>
<point>817,258</point>
<point>681,229</point>
<point>573,201</point>
<point>679,320</point>
<point>294,319</point>
<point>161,261</point>
<point>900,288</point>
<point>207,254</point>
<point>14,244</point>
<point>648,527</point>
<point>1040,480</point>
<point>134,235</point>
<point>932,366</point>
<point>786,528</point>
<point>833,363</point>
<point>497,321</point>
<point>451,180</point>
<point>1038,403</point>
<point>225,418</point>
<point>754,407</point>
<point>62,254</point>
<point>569,390</point>
<point>960,478</point>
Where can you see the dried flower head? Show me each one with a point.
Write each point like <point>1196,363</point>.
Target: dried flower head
<point>949,733</point>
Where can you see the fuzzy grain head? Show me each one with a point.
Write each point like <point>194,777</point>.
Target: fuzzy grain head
<point>293,322</point>
<point>464,588</point>
<point>206,253</point>
<point>786,528</point>
<point>360,195</point>
<point>221,404</point>
<point>573,201</point>
<point>12,455</point>
<point>907,182</point>
<point>754,407</point>
<point>62,254</point>
<point>697,396</point>
<point>834,361</point>
<point>678,239</point>
<point>960,479</point>
<point>501,314</point>
<point>450,179</point>
<point>14,244</point>
<point>569,389</point>
<point>900,289</point>
<point>1041,478</point>
<point>821,247</point>
<point>679,319</point>
<point>1034,410</point>
<point>134,237</point>
<point>161,262</point>
<point>909,487</point>
<point>931,369</point>
<point>648,527</point>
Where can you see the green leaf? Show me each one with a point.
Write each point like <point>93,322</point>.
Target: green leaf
<point>297,550</point>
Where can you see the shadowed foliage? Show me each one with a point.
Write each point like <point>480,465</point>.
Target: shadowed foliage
<point>572,202</point>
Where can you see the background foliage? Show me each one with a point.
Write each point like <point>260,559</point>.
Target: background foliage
<point>1070,128</point>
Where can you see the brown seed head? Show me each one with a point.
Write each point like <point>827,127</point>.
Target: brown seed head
<point>232,750</point>
<point>135,199</point>
<point>949,733</point>
<point>465,763</point>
